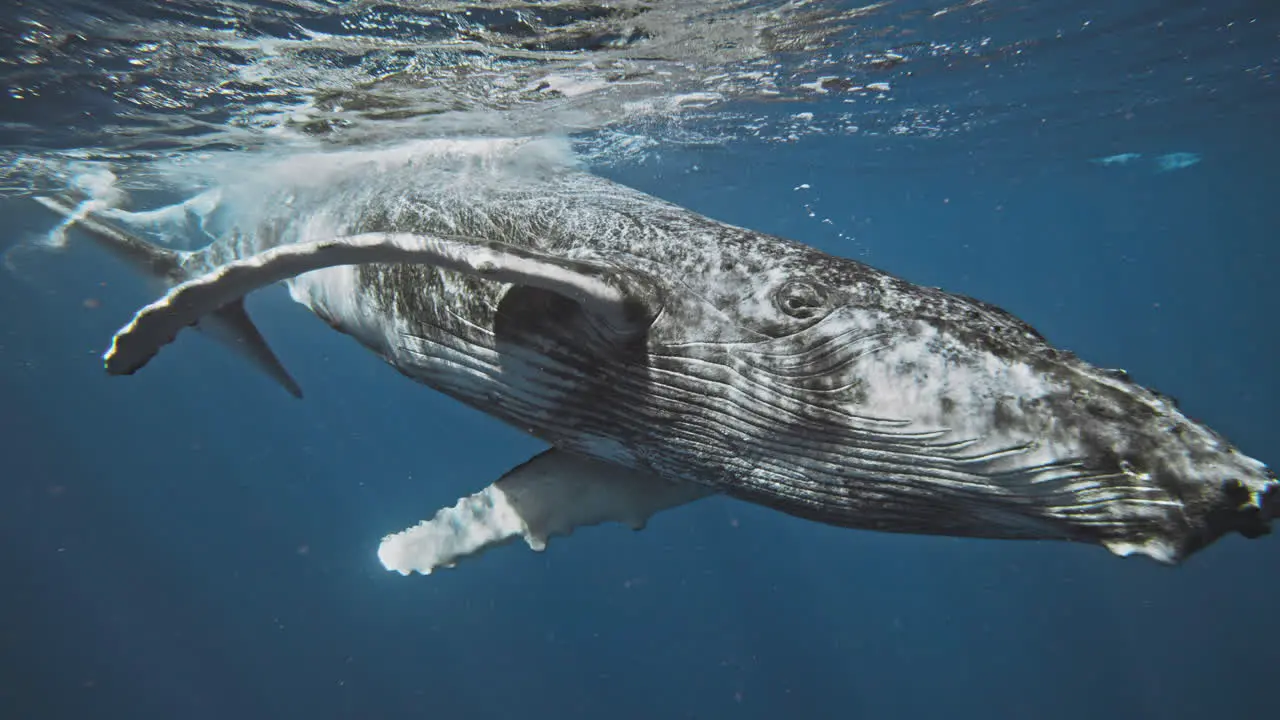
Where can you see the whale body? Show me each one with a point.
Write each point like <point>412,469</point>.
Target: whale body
<point>665,356</point>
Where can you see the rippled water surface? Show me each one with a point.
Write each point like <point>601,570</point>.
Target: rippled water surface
<point>137,81</point>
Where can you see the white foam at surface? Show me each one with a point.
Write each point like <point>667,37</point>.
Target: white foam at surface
<point>570,86</point>
<point>253,176</point>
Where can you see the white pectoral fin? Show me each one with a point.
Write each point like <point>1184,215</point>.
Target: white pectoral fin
<point>552,494</point>
<point>608,293</point>
<point>111,229</point>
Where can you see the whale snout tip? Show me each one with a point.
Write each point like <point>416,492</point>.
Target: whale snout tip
<point>1268,502</point>
<point>1247,507</point>
<point>1247,510</point>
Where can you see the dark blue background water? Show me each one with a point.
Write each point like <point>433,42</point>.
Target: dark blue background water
<point>193,543</point>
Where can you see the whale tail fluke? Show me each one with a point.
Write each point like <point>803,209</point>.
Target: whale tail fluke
<point>229,324</point>
<point>151,260</point>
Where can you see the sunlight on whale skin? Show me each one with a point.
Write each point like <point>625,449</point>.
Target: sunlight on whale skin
<point>666,356</point>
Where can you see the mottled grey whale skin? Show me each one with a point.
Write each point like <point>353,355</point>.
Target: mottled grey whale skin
<point>757,367</point>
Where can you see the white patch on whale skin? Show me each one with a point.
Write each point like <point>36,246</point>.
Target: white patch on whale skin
<point>335,294</point>
<point>1158,550</point>
<point>908,375</point>
<point>974,393</point>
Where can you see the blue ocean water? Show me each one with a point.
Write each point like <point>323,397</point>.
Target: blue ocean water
<point>193,543</point>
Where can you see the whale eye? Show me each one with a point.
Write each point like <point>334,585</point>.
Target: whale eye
<point>801,299</point>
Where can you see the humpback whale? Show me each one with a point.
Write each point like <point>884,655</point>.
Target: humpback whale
<point>665,356</point>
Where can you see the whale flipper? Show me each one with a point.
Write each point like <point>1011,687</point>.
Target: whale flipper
<point>229,324</point>
<point>232,326</point>
<point>552,494</point>
<point>616,297</point>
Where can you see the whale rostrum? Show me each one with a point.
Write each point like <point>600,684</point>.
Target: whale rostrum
<point>665,356</point>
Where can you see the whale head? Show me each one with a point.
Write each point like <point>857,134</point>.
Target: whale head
<point>827,389</point>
